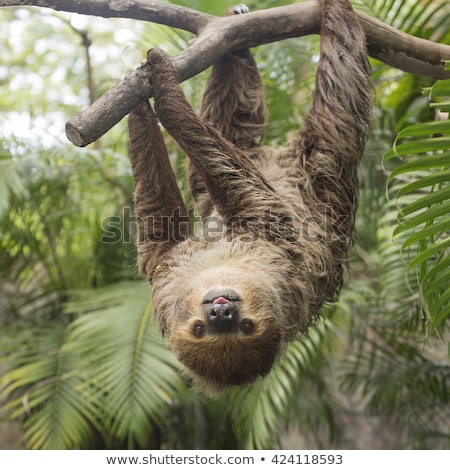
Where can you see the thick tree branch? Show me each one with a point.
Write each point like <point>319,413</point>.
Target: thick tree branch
<point>215,36</point>
<point>144,10</point>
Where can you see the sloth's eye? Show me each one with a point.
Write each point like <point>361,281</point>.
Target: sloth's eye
<point>199,330</point>
<point>247,327</point>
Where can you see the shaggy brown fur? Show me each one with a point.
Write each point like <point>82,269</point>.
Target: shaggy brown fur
<point>277,223</point>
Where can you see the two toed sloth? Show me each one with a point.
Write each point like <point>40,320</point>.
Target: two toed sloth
<point>228,307</point>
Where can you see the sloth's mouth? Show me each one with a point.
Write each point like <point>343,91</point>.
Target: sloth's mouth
<point>220,300</point>
<point>216,297</point>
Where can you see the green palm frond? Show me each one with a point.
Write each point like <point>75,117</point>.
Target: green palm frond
<point>129,366</point>
<point>401,384</point>
<point>426,19</point>
<point>390,369</point>
<point>11,179</point>
<point>399,292</point>
<point>423,200</point>
<point>107,371</point>
<point>42,385</point>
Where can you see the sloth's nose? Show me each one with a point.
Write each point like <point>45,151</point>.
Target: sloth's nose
<point>222,317</point>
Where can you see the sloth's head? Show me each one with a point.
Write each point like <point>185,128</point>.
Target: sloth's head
<point>227,311</point>
<point>225,327</point>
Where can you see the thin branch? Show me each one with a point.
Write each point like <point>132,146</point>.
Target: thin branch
<point>215,36</point>
<point>86,43</point>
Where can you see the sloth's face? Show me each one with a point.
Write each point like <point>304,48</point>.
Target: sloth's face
<point>226,330</point>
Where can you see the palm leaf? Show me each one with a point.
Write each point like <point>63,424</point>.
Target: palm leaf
<point>41,385</point>
<point>107,371</point>
<point>424,209</point>
<point>11,183</point>
<point>398,382</point>
<point>129,367</point>
<point>399,299</point>
<point>417,17</point>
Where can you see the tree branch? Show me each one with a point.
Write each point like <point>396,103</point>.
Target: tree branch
<point>215,36</point>
<point>172,15</point>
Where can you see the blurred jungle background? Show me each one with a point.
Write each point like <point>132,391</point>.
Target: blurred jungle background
<point>81,362</point>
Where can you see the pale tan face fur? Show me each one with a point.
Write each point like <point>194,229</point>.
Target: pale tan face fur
<point>245,343</point>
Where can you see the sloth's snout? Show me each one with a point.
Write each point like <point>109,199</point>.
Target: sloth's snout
<point>222,316</point>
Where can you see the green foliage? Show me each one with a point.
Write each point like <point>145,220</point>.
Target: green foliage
<point>423,199</point>
<point>42,384</point>
<point>57,217</point>
<point>399,366</point>
<point>106,371</point>
<point>423,18</point>
<point>130,371</point>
